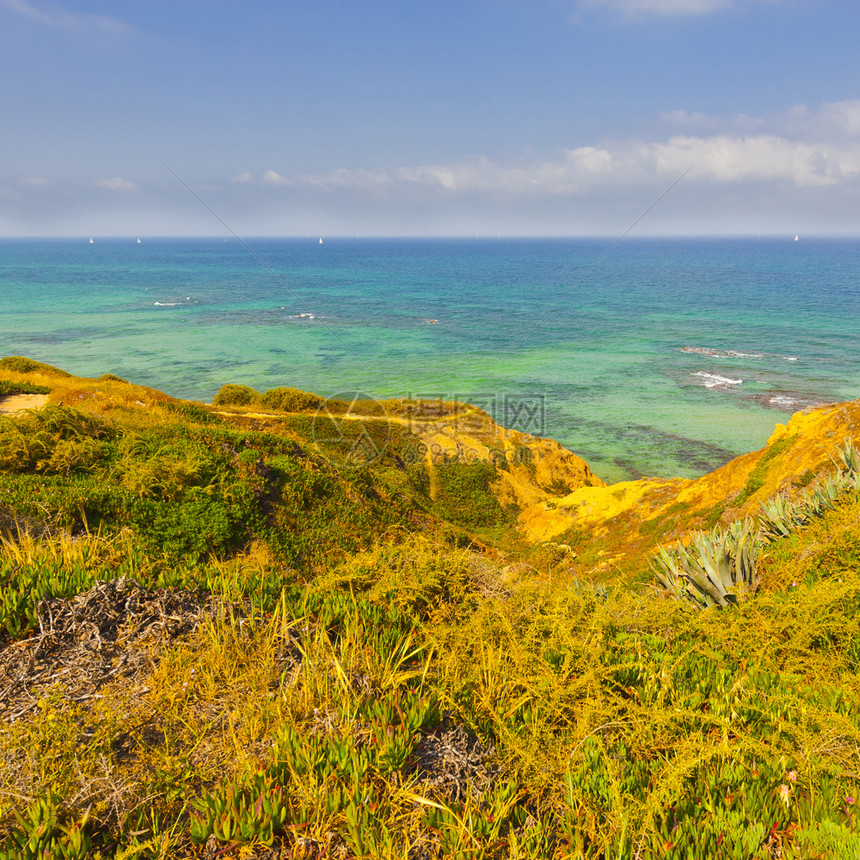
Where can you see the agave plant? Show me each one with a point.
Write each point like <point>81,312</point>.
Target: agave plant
<point>780,516</point>
<point>716,568</point>
<point>850,457</point>
<point>849,469</point>
<point>825,497</point>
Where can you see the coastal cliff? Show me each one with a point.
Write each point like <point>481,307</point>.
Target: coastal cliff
<point>550,491</point>
<point>626,516</point>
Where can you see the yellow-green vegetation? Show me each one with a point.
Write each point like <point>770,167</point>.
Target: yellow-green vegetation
<point>719,568</point>
<point>224,635</point>
<point>7,388</point>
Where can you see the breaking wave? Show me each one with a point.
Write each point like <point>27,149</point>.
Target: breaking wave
<point>714,380</point>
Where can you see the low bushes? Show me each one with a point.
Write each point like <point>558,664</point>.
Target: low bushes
<point>283,399</point>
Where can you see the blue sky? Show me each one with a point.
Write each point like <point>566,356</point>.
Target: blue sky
<point>390,117</point>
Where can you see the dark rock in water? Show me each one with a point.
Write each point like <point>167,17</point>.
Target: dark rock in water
<point>631,473</point>
<point>788,401</point>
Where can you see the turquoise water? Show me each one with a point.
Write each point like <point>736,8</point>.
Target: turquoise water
<point>665,357</point>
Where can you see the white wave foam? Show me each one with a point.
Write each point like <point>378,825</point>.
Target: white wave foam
<point>714,380</point>
<point>721,353</point>
<point>303,316</point>
<point>790,357</point>
<point>167,304</point>
<point>783,401</point>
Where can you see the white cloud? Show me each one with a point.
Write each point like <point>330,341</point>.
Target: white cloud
<point>709,123</point>
<point>723,159</point>
<point>54,15</point>
<point>829,121</point>
<point>744,122</point>
<point>473,174</point>
<point>658,7</point>
<point>793,169</point>
<point>801,146</point>
<point>36,182</point>
<point>839,116</point>
<point>758,158</point>
<point>272,178</point>
<point>115,184</point>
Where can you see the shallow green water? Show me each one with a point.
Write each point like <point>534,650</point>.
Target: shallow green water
<point>667,357</point>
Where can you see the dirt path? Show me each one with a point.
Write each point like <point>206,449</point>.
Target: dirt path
<point>15,404</point>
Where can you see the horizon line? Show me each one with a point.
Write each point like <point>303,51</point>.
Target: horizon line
<point>435,236</point>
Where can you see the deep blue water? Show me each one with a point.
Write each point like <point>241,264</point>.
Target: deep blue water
<point>664,357</point>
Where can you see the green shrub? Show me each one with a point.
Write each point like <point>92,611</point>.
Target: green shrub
<point>191,412</point>
<point>53,439</point>
<point>75,455</point>
<point>236,395</point>
<point>291,400</point>
<point>416,577</point>
<point>7,387</point>
<point>20,364</point>
<point>466,497</point>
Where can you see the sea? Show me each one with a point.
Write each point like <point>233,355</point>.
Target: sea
<point>657,357</point>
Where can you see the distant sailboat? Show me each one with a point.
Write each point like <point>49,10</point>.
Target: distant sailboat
<point>91,241</point>
<point>321,241</point>
<point>796,238</point>
<point>138,240</point>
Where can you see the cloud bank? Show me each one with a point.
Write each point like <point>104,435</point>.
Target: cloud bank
<point>797,169</point>
<point>823,150</point>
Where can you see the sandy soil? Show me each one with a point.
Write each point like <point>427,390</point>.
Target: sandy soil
<point>14,404</point>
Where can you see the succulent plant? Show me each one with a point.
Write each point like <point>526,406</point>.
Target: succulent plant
<point>779,517</point>
<point>716,568</point>
<point>850,457</point>
<point>39,834</point>
<point>240,813</point>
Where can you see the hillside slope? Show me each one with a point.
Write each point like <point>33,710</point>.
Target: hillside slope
<point>628,517</point>
<point>286,627</point>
